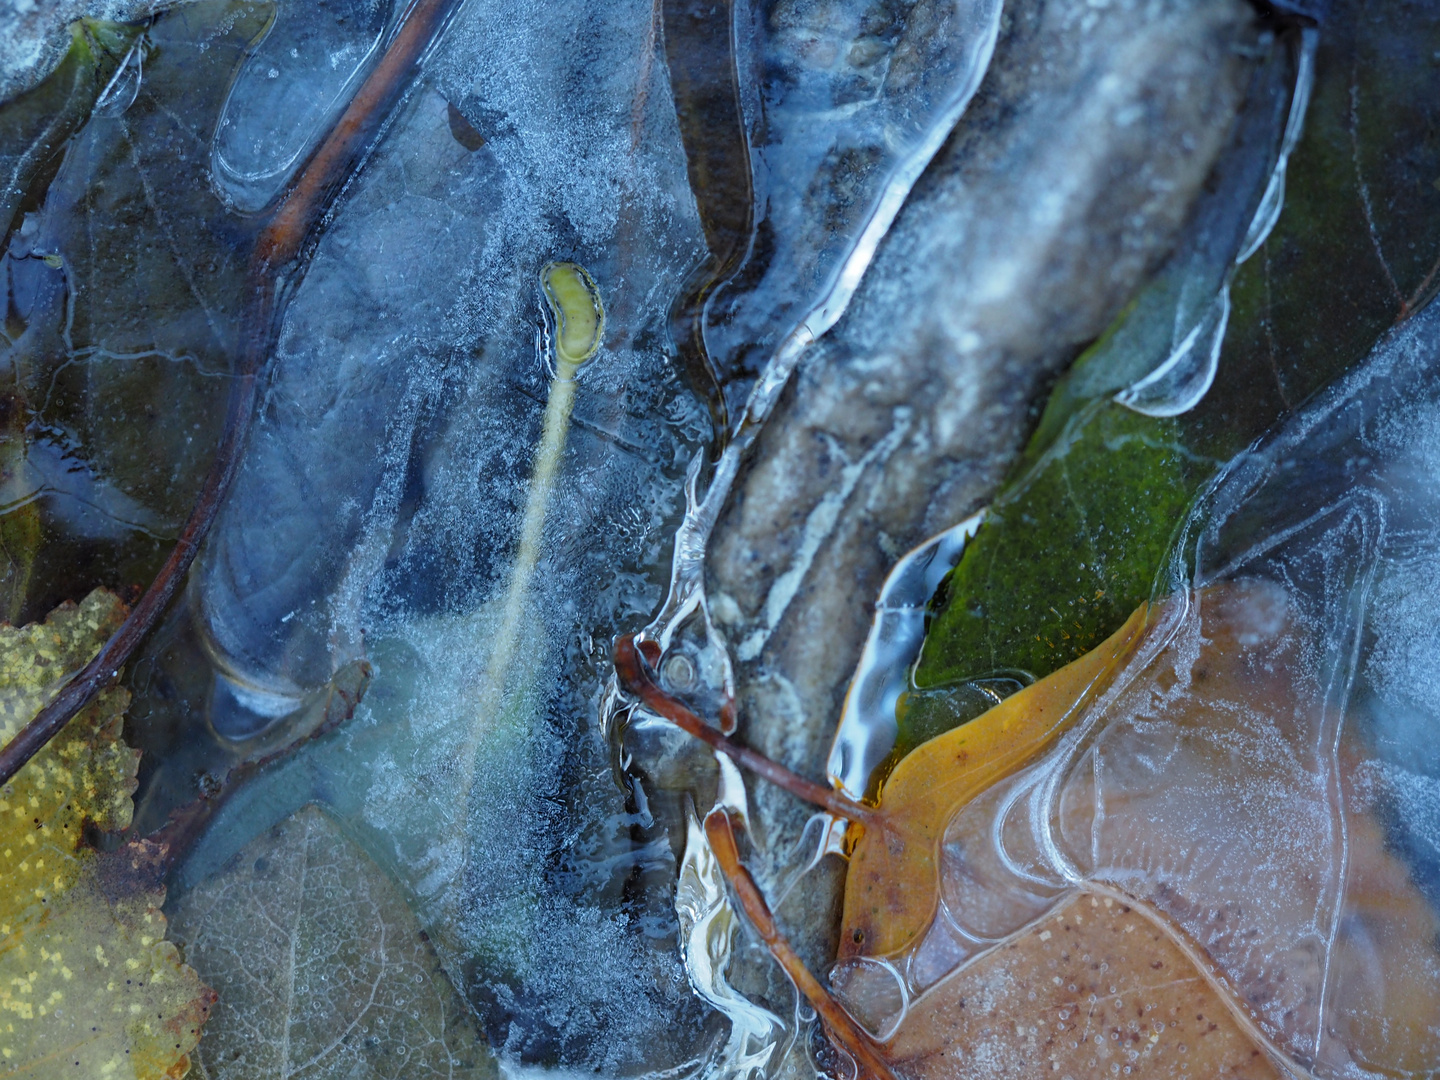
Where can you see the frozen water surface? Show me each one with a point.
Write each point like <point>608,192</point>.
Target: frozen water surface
<point>375,523</point>
<point>1260,776</point>
<point>441,514</point>
<point>379,511</point>
<point>295,82</point>
<point>852,100</point>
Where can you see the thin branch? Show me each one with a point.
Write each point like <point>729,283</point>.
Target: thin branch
<point>280,244</point>
<point>635,676</point>
<point>1420,295</point>
<point>720,829</point>
<point>1364,191</point>
<point>186,824</point>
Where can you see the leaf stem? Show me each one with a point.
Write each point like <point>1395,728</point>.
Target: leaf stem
<point>554,429</point>
<point>635,676</point>
<point>720,828</point>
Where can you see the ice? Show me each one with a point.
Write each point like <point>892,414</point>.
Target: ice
<point>859,445</point>
<point>708,928</point>
<point>1192,294</point>
<point>38,34</point>
<point>867,730</point>
<point>359,375</point>
<point>1260,778</point>
<point>887,429</point>
<point>127,283</point>
<point>852,102</point>
<point>395,508</point>
<point>379,516</point>
<point>298,77</point>
<point>854,106</point>
<point>891,429</point>
<point>1184,377</point>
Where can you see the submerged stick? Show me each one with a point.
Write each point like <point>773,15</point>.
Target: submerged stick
<point>279,245</point>
<point>720,828</point>
<point>634,675</point>
<point>699,42</point>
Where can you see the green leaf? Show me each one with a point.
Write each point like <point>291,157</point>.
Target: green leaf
<point>88,984</point>
<point>1078,533</point>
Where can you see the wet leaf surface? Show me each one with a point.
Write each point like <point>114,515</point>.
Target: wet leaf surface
<point>1078,534</point>
<point>442,513</point>
<point>1252,781</point>
<point>1091,985</point>
<point>889,890</point>
<point>89,985</point>
<point>321,968</point>
<point>124,283</point>
<point>1203,947</point>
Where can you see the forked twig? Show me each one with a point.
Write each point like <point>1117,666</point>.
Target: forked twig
<point>279,245</point>
<point>720,828</point>
<point>634,675</point>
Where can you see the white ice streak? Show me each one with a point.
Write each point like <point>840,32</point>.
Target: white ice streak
<point>1185,375</point>
<point>1184,378</point>
<point>980,20</point>
<point>708,926</point>
<point>868,728</point>
<point>686,598</point>
<point>298,77</point>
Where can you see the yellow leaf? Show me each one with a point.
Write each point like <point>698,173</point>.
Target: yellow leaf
<point>891,890</point>
<point>88,984</point>
<point>1217,890</point>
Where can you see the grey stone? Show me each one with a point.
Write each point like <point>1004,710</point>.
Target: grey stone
<point>1066,183</point>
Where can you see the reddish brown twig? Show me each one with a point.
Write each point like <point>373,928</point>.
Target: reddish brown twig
<point>634,674</point>
<point>279,244</point>
<point>720,827</point>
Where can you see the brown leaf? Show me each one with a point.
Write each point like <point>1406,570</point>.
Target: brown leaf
<point>323,970</point>
<point>1093,984</point>
<point>1206,887</point>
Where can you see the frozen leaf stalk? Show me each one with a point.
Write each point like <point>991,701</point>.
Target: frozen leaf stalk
<point>88,984</point>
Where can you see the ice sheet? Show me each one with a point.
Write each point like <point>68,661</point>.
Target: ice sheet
<point>1260,778</point>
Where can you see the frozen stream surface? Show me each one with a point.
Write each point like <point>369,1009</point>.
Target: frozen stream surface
<point>836,257</point>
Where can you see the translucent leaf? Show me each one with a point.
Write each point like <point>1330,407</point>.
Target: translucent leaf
<point>1255,780</point>
<point>322,969</point>
<point>1093,985</point>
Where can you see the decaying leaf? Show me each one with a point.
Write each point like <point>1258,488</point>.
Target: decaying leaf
<point>1092,985</point>
<point>88,984</point>
<point>890,892</point>
<point>322,969</point>
<point>1198,881</point>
